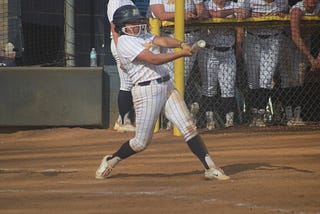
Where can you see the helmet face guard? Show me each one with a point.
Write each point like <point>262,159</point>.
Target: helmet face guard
<point>130,30</point>
<point>129,14</point>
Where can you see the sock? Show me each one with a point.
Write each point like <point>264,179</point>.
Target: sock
<point>124,151</point>
<point>228,104</point>
<point>125,104</point>
<point>198,148</point>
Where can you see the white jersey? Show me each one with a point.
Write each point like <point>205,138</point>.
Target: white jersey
<point>221,37</point>
<point>129,47</point>
<point>261,6</point>
<point>299,5</point>
<point>169,5</point>
<point>113,5</point>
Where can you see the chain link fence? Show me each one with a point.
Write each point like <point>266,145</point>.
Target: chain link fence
<point>259,80</point>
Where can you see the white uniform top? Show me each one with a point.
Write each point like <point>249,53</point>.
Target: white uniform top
<point>221,37</point>
<point>129,47</point>
<point>169,5</point>
<point>113,5</point>
<point>303,9</point>
<point>261,6</point>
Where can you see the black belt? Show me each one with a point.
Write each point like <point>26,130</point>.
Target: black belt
<point>159,80</point>
<point>220,49</point>
<point>263,36</point>
<point>187,31</point>
<point>190,31</point>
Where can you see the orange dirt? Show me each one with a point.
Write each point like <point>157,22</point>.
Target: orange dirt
<point>52,171</point>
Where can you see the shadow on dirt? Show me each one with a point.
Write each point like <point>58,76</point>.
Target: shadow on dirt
<point>237,168</point>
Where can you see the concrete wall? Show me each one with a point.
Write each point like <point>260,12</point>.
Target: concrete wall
<point>42,96</point>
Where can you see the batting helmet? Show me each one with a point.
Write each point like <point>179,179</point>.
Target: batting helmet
<point>125,14</point>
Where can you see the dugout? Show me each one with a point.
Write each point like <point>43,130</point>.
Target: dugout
<point>58,96</point>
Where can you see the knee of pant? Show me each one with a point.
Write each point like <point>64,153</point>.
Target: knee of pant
<point>190,134</point>
<point>138,146</point>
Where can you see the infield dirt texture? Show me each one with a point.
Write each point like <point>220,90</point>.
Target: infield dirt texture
<point>52,171</point>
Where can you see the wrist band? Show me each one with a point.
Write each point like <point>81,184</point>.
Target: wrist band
<point>181,44</point>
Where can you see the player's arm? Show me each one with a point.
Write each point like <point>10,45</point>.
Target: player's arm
<point>162,58</point>
<point>242,13</point>
<point>221,13</point>
<point>167,42</point>
<point>160,13</point>
<point>295,21</point>
<point>201,10</point>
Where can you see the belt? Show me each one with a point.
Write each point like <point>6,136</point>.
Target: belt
<point>263,36</point>
<point>187,31</point>
<point>190,31</point>
<point>159,80</point>
<point>220,49</point>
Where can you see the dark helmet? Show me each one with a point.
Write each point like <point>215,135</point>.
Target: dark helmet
<point>125,14</point>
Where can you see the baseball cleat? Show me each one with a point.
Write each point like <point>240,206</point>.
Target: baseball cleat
<point>210,120</point>
<point>104,169</point>
<point>216,173</point>
<point>229,120</point>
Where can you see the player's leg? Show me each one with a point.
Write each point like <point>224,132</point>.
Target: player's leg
<point>125,106</point>
<point>292,70</point>
<point>252,55</point>
<point>227,77</point>
<point>148,102</point>
<point>177,112</point>
<point>208,69</point>
<point>270,53</point>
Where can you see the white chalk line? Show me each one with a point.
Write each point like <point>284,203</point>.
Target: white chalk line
<point>19,170</point>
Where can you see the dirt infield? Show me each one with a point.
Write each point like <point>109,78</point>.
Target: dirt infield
<point>52,171</point>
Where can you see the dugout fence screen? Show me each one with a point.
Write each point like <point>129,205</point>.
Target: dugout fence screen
<point>262,78</point>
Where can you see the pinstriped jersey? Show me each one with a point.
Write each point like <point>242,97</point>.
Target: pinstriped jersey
<point>221,37</point>
<point>113,5</point>
<point>261,6</point>
<point>299,5</point>
<point>169,5</point>
<point>129,47</point>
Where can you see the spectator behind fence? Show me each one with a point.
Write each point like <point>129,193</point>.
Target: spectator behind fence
<point>261,56</point>
<point>292,69</point>
<point>217,63</point>
<point>125,103</point>
<point>304,8</point>
<point>164,10</point>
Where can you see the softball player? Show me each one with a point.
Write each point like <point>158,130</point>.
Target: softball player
<point>304,8</point>
<point>153,91</point>
<point>298,55</point>
<point>261,55</point>
<point>217,62</point>
<point>292,68</point>
<point>125,103</point>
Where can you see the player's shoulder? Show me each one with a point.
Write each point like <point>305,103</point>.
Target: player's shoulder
<point>298,5</point>
<point>151,2</point>
<point>198,1</point>
<point>115,4</point>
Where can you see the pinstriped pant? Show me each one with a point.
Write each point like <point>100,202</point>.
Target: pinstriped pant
<point>261,57</point>
<point>149,101</point>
